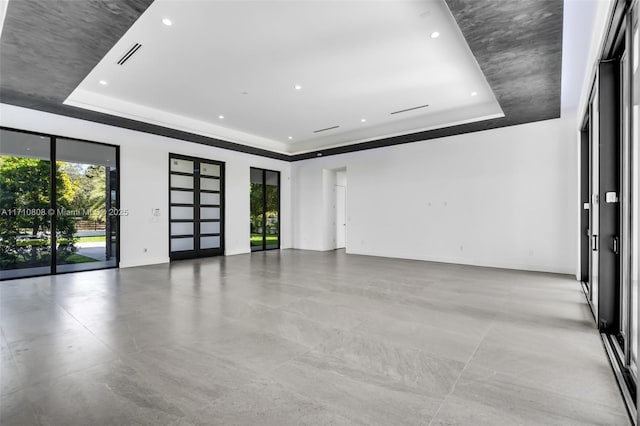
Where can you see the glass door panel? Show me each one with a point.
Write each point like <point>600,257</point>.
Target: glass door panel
<point>264,194</point>
<point>181,210</point>
<point>256,195</point>
<point>25,200</point>
<point>272,210</point>
<point>85,212</point>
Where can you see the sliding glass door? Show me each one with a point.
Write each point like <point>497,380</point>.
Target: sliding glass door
<point>86,225</point>
<point>264,195</point>
<point>58,205</point>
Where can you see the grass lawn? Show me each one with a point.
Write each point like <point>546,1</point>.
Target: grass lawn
<point>78,258</point>
<point>46,242</point>
<point>94,239</point>
<point>256,239</point>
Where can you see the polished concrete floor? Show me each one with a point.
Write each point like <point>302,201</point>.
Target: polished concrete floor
<point>303,338</point>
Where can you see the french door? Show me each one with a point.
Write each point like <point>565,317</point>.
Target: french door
<point>196,207</point>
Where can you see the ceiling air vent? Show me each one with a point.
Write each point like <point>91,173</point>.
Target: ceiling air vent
<point>409,109</point>
<point>324,130</point>
<point>129,53</point>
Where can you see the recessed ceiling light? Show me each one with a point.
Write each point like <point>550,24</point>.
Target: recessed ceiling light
<point>435,34</point>
<point>474,93</point>
<point>319,154</point>
<point>167,22</point>
<point>290,137</point>
<point>103,82</point>
<point>221,117</point>
<point>298,87</point>
<point>363,120</point>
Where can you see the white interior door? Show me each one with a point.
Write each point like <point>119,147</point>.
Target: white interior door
<point>341,216</point>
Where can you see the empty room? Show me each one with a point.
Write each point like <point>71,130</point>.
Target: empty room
<point>318,212</point>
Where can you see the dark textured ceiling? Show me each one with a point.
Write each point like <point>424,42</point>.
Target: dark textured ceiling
<point>48,47</point>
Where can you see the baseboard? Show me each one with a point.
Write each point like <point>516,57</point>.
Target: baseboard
<point>236,252</point>
<point>145,262</point>
<point>471,262</point>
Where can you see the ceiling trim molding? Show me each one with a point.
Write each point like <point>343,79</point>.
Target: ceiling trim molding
<point>517,44</point>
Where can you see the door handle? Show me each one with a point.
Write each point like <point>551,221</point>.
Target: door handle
<point>616,245</point>
<point>594,242</point>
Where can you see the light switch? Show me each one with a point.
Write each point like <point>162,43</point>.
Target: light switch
<point>611,197</point>
<point>156,212</point>
<point>585,206</point>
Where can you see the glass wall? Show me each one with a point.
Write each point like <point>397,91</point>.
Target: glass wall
<point>264,194</point>
<point>25,200</point>
<point>76,228</point>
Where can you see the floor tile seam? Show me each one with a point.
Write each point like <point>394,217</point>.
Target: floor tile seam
<point>12,357</point>
<point>530,386</point>
<point>113,350</point>
<point>33,411</point>
<point>564,413</point>
<point>601,405</point>
<point>407,346</point>
<point>397,302</point>
<point>281,309</point>
<point>401,322</point>
<point>267,375</point>
<point>49,380</point>
<point>455,383</point>
<point>166,396</point>
<point>289,389</point>
<point>247,326</point>
<point>5,394</point>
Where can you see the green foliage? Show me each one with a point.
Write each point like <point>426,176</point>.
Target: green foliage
<point>90,195</point>
<point>25,184</point>
<point>256,197</point>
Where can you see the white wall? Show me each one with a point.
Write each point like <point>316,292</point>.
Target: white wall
<point>501,198</point>
<point>144,182</point>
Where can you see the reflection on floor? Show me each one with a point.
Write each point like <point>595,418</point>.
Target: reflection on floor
<point>295,337</point>
<point>76,267</point>
<point>95,250</point>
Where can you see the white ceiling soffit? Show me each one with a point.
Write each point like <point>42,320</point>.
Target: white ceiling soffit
<point>275,74</point>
